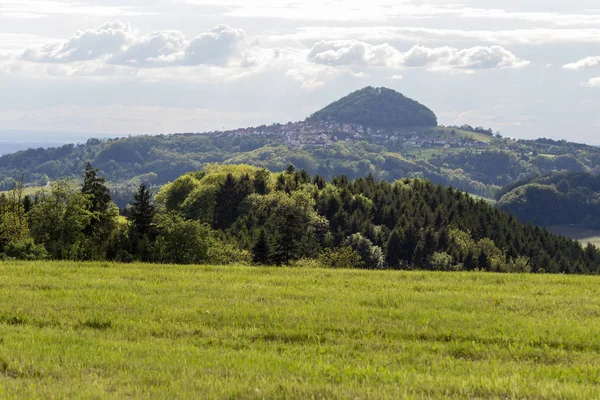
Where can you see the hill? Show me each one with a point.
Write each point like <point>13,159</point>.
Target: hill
<point>560,198</point>
<point>225,214</point>
<point>377,108</point>
<point>471,159</point>
<point>99,330</point>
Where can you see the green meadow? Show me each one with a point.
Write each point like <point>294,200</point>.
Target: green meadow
<point>101,330</point>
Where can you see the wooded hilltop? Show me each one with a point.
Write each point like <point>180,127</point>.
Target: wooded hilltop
<point>244,214</point>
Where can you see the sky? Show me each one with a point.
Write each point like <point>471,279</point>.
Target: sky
<point>525,68</point>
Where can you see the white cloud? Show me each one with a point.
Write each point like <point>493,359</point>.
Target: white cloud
<point>355,53</point>
<point>155,49</point>
<point>91,44</point>
<point>352,52</point>
<point>585,63</point>
<point>116,43</point>
<point>594,82</point>
<point>216,46</point>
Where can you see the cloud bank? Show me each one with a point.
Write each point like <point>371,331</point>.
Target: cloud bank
<point>357,53</point>
<point>117,44</point>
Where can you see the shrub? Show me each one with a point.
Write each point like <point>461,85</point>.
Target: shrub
<point>518,265</point>
<point>443,262</point>
<point>341,257</point>
<point>226,253</point>
<point>371,255</point>
<point>25,249</point>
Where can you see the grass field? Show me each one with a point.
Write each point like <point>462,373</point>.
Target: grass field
<point>113,331</point>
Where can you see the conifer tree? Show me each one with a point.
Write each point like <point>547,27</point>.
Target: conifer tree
<point>142,212</point>
<point>261,252</point>
<point>394,249</point>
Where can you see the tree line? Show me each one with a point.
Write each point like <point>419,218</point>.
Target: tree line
<point>242,214</point>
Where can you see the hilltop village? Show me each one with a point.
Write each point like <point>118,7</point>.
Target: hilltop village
<point>325,133</point>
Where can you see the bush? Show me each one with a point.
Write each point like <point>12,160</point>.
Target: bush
<point>226,253</point>
<point>341,257</point>
<point>517,265</point>
<point>183,241</point>
<point>371,255</point>
<point>25,249</point>
<point>443,262</point>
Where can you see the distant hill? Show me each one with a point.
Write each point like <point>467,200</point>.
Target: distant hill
<point>560,198</point>
<point>377,108</point>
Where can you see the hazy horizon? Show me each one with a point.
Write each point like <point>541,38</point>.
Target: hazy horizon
<point>165,66</point>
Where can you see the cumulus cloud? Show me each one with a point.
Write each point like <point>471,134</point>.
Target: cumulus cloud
<point>116,43</point>
<point>214,47</point>
<point>84,45</point>
<point>155,49</point>
<point>356,53</point>
<point>352,52</point>
<point>585,63</point>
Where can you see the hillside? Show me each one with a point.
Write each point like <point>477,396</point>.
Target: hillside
<point>560,198</point>
<point>99,330</point>
<point>471,159</point>
<point>377,108</point>
<point>227,214</point>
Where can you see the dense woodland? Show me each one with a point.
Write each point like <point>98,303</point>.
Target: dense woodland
<point>157,160</point>
<point>560,198</point>
<point>231,214</point>
<point>398,138</point>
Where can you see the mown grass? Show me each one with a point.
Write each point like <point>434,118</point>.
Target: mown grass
<point>103,330</point>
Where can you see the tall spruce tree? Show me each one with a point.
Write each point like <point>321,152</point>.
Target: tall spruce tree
<point>142,212</point>
<point>95,187</point>
<point>262,251</point>
<point>226,203</point>
<point>103,214</point>
<point>394,249</point>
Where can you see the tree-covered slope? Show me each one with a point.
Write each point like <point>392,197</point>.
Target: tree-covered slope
<point>404,224</point>
<point>560,198</point>
<point>377,108</point>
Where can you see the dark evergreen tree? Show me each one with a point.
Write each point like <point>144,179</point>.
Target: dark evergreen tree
<point>27,203</point>
<point>142,213</point>
<point>226,204</point>
<point>262,251</point>
<point>394,249</point>
<point>95,187</point>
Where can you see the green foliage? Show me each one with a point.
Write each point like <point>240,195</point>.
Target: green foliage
<point>559,198</point>
<point>104,214</point>
<point>370,255</point>
<point>283,218</point>
<point>58,220</point>
<point>262,251</point>
<point>443,262</point>
<point>142,213</point>
<point>341,257</point>
<point>25,249</point>
<point>183,241</point>
<point>378,108</point>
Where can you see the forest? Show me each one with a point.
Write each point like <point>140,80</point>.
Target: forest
<point>559,198</point>
<point>157,160</point>
<point>379,108</point>
<point>226,214</point>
